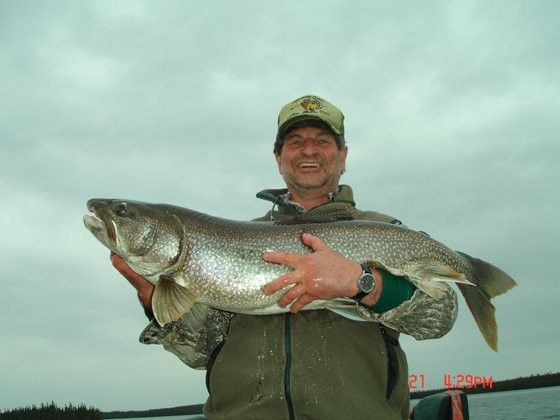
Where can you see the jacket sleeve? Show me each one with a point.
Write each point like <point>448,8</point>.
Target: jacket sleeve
<point>193,337</point>
<point>422,316</point>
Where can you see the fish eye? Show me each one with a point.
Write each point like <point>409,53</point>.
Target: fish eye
<point>121,209</point>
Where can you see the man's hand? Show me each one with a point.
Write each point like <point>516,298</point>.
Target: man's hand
<point>144,288</point>
<point>323,274</point>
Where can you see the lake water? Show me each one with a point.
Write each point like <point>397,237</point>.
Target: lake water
<point>527,404</point>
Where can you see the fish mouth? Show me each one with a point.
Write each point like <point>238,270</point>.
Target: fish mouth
<point>101,225</point>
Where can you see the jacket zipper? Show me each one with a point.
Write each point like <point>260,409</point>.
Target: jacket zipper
<point>288,347</point>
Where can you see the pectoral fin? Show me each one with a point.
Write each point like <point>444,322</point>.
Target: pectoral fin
<point>171,300</point>
<point>429,277</point>
<point>433,277</point>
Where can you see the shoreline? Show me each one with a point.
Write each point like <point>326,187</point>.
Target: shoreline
<point>529,382</point>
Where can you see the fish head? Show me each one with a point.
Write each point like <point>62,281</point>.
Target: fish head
<point>146,236</point>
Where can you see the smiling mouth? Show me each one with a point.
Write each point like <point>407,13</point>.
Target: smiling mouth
<point>308,165</point>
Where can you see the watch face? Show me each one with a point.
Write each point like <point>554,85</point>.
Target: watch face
<point>367,283</point>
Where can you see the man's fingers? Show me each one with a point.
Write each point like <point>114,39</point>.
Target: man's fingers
<point>279,283</point>
<point>313,242</point>
<point>133,278</point>
<point>296,296</point>
<point>120,264</point>
<point>299,304</point>
<point>292,259</point>
<point>285,258</point>
<point>294,293</point>
<point>143,287</point>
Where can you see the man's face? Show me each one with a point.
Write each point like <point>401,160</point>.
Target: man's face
<point>310,159</point>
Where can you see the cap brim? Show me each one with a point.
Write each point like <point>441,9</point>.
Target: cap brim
<point>285,127</point>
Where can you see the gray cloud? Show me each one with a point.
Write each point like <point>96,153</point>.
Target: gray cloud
<point>451,122</point>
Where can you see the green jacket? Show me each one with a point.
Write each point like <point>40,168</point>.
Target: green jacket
<point>311,365</point>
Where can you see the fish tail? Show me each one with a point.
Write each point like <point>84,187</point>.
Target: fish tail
<point>490,282</point>
<point>483,312</point>
<point>490,278</point>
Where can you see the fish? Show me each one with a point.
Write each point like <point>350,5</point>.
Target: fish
<point>197,260</point>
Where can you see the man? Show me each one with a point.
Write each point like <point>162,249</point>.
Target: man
<point>309,364</point>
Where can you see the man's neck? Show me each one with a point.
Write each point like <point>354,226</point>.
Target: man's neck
<point>310,200</point>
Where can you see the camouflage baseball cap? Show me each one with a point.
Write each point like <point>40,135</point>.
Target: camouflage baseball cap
<point>310,107</point>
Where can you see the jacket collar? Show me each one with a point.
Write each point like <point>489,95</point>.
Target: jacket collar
<point>281,198</point>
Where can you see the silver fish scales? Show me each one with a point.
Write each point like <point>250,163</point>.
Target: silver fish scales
<point>193,258</point>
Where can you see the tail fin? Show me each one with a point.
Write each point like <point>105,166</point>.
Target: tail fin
<point>490,282</point>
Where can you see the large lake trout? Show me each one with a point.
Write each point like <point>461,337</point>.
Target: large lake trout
<point>193,258</point>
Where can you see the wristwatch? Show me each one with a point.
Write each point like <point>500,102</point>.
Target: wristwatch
<point>366,283</point>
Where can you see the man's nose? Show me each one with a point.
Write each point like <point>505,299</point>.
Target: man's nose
<point>309,147</point>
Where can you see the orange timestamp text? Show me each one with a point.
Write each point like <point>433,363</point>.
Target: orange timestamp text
<point>457,381</point>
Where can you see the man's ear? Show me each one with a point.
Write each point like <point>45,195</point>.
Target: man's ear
<point>343,154</point>
<point>278,162</point>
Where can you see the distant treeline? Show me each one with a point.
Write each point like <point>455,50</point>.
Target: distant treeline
<point>158,412</point>
<point>527,382</point>
<point>81,412</point>
<point>52,412</point>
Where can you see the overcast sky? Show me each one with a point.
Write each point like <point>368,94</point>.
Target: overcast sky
<point>452,118</point>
